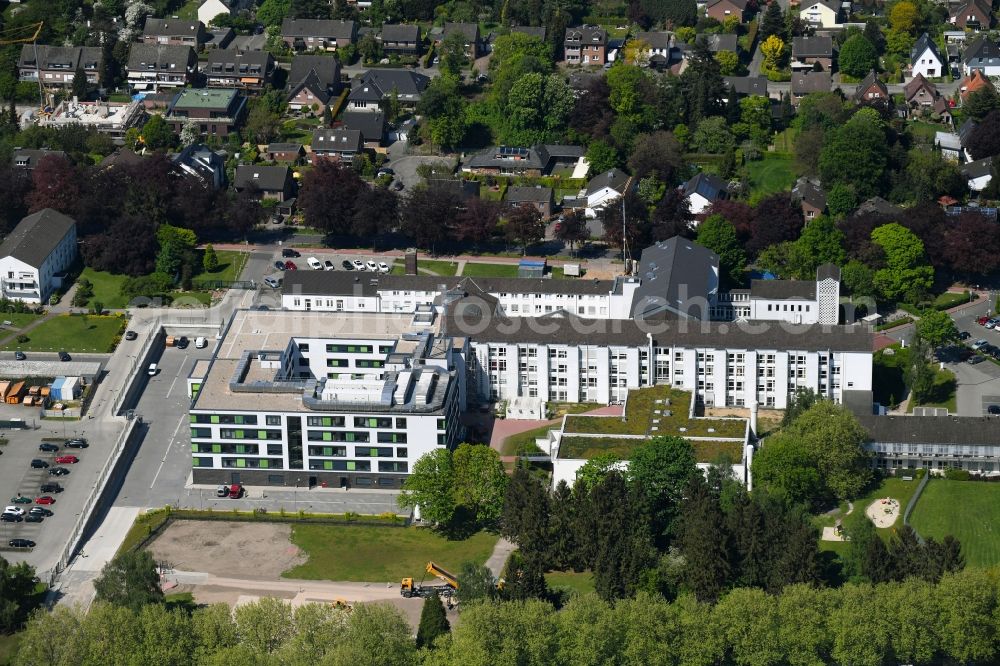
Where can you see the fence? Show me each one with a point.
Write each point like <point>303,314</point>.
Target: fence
<point>155,337</point>
<point>208,285</point>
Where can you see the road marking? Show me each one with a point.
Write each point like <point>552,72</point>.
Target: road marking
<point>176,377</point>
<point>167,450</point>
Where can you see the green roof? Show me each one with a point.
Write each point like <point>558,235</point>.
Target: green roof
<point>206,98</point>
<point>587,447</point>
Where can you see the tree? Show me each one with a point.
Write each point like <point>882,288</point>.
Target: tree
<point>821,243</point>
<point>210,260</point>
<point>714,136</point>
<point>433,622</point>
<point>773,49</point>
<point>855,154</point>
<point>785,468</point>
<point>524,577</point>
<point>56,184</point>
<point>130,580</point>
<point>524,226</point>
<point>327,196</point>
<point>480,481</point>
<point>672,216</point>
<point>443,106</point>
<point>937,328</point>
<point>176,246</point>
<point>729,62</point>
<point>430,486</point>
<point>602,157</point>
<point>370,48</point>
<point>718,235</point>
<point>262,124</point>
<point>772,22</point>
<point>454,57</point>
<point>906,272</point>
<point>273,12</point>
<point>857,56</point>
<point>841,200</point>
<point>928,175</point>
<point>475,583</point>
<point>658,473</point>
<point>572,229</point>
<point>980,103</point>
<point>904,17</point>
<point>704,542</point>
<point>525,513</point>
<point>80,87</point>
<point>985,139</point>
<point>156,134</point>
<point>918,373</point>
<point>17,585</point>
<point>656,153</point>
<point>375,635</point>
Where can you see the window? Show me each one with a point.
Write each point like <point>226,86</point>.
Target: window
<point>400,424</point>
<point>272,420</point>
<point>393,466</point>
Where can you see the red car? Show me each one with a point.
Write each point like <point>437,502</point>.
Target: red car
<point>982,321</point>
<point>45,499</point>
<point>290,266</point>
<point>67,460</point>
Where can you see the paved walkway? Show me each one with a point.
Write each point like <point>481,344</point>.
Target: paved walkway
<point>499,556</point>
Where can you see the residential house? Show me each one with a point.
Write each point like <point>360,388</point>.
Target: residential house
<point>376,86</point>
<point>57,65</point>
<point>153,67</point>
<point>539,160</point>
<point>219,38</point>
<point>318,34</point>
<point>965,133</point>
<point>265,182</point>
<point>538,32</point>
<point>469,32</point>
<point>703,190</point>
<point>35,256</point>
<point>336,144</point>
<point>122,158</point>
<point>210,9</point>
<point>745,86</point>
<point>872,91</point>
<point>982,54</point>
<point>201,162</point>
<point>922,94</point>
<point>370,124</point>
<point>313,81</point>
<point>807,51</point>
<point>605,188</point>
<point>216,111</point>
<point>28,158</point>
<point>807,82</point>
<point>281,151</point>
<point>720,10</point>
<point>463,189</point>
<point>248,42</point>
<point>174,31</point>
<point>717,43</point>
<point>541,198</point>
<point>926,59</point>
<point>972,15</point>
<point>821,13</point>
<point>246,70</point>
<point>585,45</point>
<point>402,39</point>
<point>949,144</point>
<point>811,198</point>
<point>660,44</point>
<point>978,174</point>
<point>973,82</point>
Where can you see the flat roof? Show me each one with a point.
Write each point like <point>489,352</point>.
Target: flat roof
<point>205,98</point>
<point>21,369</point>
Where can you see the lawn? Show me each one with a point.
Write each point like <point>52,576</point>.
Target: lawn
<point>588,447</point>
<point>428,267</point>
<point>376,554</point>
<point>231,263</point>
<point>943,392</point>
<point>773,173</point>
<point>107,288</point>
<point>17,319</point>
<point>525,442</point>
<point>490,270</point>
<point>582,582</point>
<point>924,132</point>
<point>969,510</point>
<point>189,10</point>
<point>8,648</point>
<point>892,486</point>
<point>73,333</point>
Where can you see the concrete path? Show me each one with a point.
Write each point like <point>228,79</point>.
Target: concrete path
<point>499,556</point>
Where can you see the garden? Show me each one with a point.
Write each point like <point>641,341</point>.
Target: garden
<point>72,333</point>
<point>968,510</point>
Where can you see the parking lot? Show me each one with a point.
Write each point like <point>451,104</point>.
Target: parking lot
<point>338,260</point>
<point>979,383</point>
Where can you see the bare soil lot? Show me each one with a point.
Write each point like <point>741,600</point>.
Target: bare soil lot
<point>258,551</point>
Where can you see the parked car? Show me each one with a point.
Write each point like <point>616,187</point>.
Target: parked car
<point>10,518</point>
<point>271,282</point>
<point>76,443</point>
<point>34,518</point>
<point>964,335</point>
<point>991,323</point>
<point>51,488</point>
<point>386,171</point>
<point>328,266</point>
<point>993,409</point>
<point>131,335</point>
<point>183,342</point>
<point>48,447</point>
<point>348,266</point>
<point>16,510</point>
<point>38,464</point>
<point>979,343</point>
<point>58,471</point>
<point>21,543</point>
<point>45,499</point>
<point>67,460</point>
<point>290,266</point>
<point>152,370</point>
<point>280,265</point>
<point>383,267</point>
<point>975,359</point>
<point>236,490</point>
<point>982,321</point>
<point>19,355</point>
<point>222,491</point>
<point>371,265</point>
<point>63,356</point>
<point>40,510</point>
<point>289,252</point>
<point>314,263</point>
<point>359,265</point>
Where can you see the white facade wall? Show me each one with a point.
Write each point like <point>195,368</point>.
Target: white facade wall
<point>929,65</point>
<point>33,284</point>
<point>820,15</point>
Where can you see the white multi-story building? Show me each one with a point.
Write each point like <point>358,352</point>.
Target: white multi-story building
<point>935,443</point>
<point>34,257</point>
<point>305,399</point>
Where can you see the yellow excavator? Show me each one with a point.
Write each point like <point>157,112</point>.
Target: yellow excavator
<point>410,589</point>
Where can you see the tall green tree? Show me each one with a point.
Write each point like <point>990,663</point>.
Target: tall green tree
<point>659,471</point>
<point>719,235</point>
<point>772,22</point>
<point>454,57</point>
<point>907,272</point>
<point>705,543</point>
<point>855,154</point>
<point>857,56</point>
<point>480,481</point>
<point>433,622</point>
<point>129,580</point>
<point>526,511</point>
<point>937,328</point>
<point>430,486</point>
<point>80,87</point>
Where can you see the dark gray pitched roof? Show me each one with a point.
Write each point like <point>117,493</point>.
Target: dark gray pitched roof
<point>339,140</point>
<point>292,27</point>
<point>707,185</point>
<point>816,46</point>
<point>516,194</point>
<point>312,83</point>
<point>468,30</point>
<point>616,179</point>
<point>27,158</point>
<point>966,129</point>
<point>327,70</point>
<point>879,206</point>
<point>659,39</point>
<point>262,60</point>
<point>828,271</point>
<point>465,189</point>
<point>371,124</point>
<point>914,85</point>
<point>804,83</point>
<point>973,430</point>
<point>400,32</point>
<point>375,84</point>
<point>35,236</point>
<point>266,178</point>
<point>923,44</point>
<point>747,85</point>
<point>284,147</point>
<point>248,42</point>
<point>587,34</point>
<point>810,193</point>
<point>678,276</point>
<point>716,43</point>
<point>171,27</point>
<point>783,290</point>
<point>870,80</point>
<point>61,57</point>
<point>169,57</point>
<point>982,53</point>
<point>977,168</point>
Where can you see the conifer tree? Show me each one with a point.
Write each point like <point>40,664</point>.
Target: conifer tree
<point>433,622</point>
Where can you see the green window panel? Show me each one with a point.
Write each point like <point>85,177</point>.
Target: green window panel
<point>216,448</point>
<point>241,462</point>
<point>349,436</point>
<point>194,447</point>
<point>327,464</point>
<point>350,466</point>
<point>195,462</point>
<point>214,418</point>
<point>261,434</point>
<point>373,453</point>
<point>327,436</point>
<point>193,418</point>
<point>327,450</point>
<point>327,421</point>
<point>264,462</point>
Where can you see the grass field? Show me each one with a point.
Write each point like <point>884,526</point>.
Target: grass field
<point>72,333</point>
<point>8,648</point>
<point>772,174</point>
<point>490,270</point>
<point>107,287</point>
<point>890,487</point>
<point>428,267</point>
<point>969,510</point>
<point>525,442</point>
<point>582,582</point>
<point>231,263</point>
<point>17,319</point>
<point>377,554</point>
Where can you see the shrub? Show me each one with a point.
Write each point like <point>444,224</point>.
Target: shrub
<point>22,338</point>
<point>956,474</point>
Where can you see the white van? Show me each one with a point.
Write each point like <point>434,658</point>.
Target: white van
<point>314,263</point>
<point>200,343</point>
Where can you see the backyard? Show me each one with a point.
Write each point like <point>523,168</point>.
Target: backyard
<point>890,388</point>
<point>894,487</point>
<point>73,333</point>
<point>969,510</point>
<point>360,553</point>
<point>581,582</point>
<point>774,173</point>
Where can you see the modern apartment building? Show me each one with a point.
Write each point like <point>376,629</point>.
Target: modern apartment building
<point>216,111</point>
<point>306,399</point>
<point>154,67</point>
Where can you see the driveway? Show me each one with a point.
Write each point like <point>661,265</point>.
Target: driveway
<point>406,167</point>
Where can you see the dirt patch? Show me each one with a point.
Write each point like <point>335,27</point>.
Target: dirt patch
<point>258,551</point>
<point>883,512</point>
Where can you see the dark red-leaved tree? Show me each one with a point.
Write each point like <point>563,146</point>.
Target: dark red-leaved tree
<point>572,229</point>
<point>972,245</point>
<point>476,221</point>
<point>328,195</point>
<point>672,216</point>
<point>524,226</point>
<point>56,183</point>
<point>777,218</point>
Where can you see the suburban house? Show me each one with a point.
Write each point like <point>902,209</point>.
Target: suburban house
<point>174,31</point>
<point>336,144</point>
<point>660,44</point>
<point>153,67</point>
<point>246,70</point>
<point>721,42</point>
<point>586,45</point>
<point>703,190</point>
<point>216,111</point>
<point>871,90</point>
<point>318,34</point>
<point>201,162</point>
<point>371,124</point>
<point>28,158</point>
<point>926,59</point>
<point>821,13</point>
<point>978,174</point>
<point>720,10</point>
<point>539,160</point>
<point>807,51</point>
<point>811,197</point>
<point>400,39</point>
<point>313,81</point>
<point>462,189</point>
<point>973,82</point>
<point>249,42</point>
<point>210,9</point>
<point>35,256</point>
<point>745,86</point>
<point>922,94</point>
<point>949,144</point>
<point>965,132</point>
<point>541,198</point>
<point>470,32</point>
<point>982,54</point>
<point>57,65</point>
<point>265,182</point>
<point>972,15</point>
<point>604,188</point>
<point>284,152</point>
<point>378,85</point>
<point>809,81</point>
<point>219,38</point>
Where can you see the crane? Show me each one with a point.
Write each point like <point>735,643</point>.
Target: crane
<point>10,36</point>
